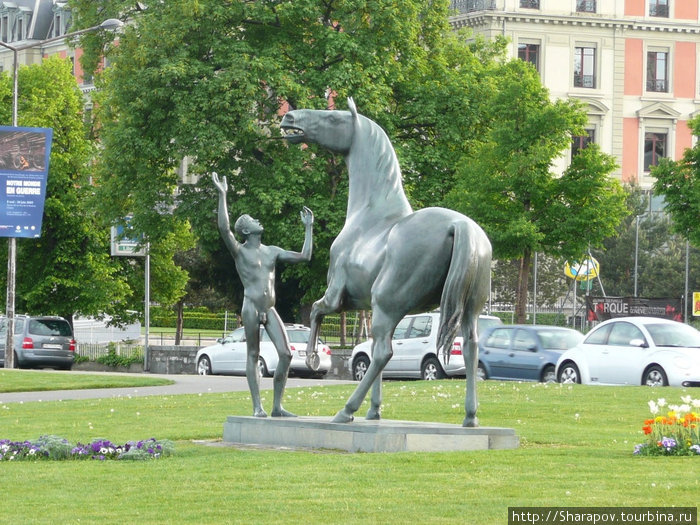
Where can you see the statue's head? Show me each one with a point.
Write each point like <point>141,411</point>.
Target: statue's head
<point>245,225</point>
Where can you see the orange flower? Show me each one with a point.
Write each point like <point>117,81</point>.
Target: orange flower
<point>649,422</point>
<point>646,429</point>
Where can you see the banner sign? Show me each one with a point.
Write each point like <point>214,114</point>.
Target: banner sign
<point>604,308</point>
<point>125,242</point>
<point>24,169</point>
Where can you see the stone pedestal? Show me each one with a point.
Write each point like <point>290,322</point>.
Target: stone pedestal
<point>365,435</point>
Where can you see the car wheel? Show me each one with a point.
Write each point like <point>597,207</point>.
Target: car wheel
<point>204,366</point>
<point>481,374</point>
<point>548,374</point>
<point>262,368</point>
<point>432,370</point>
<point>359,367</point>
<point>568,373</point>
<point>654,376</point>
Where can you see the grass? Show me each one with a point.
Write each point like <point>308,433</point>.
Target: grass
<point>13,380</point>
<point>576,450</point>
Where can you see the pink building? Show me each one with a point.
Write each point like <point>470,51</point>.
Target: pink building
<point>633,63</point>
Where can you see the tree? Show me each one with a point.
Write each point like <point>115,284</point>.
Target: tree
<point>505,182</point>
<point>679,183</point>
<point>207,80</point>
<point>68,269</point>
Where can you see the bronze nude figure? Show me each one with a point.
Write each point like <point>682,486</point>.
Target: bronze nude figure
<point>255,263</point>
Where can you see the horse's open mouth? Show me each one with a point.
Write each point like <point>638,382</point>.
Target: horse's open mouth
<point>292,134</point>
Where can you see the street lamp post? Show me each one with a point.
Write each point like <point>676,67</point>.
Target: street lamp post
<point>109,24</point>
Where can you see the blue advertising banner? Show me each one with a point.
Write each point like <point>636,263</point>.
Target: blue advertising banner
<point>24,168</point>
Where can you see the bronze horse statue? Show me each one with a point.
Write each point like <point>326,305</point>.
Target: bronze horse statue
<point>391,259</point>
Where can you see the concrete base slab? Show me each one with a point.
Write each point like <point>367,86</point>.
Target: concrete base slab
<point>365,435</point>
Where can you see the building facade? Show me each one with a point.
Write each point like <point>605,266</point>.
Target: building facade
<point>25,21</point>
<point>633,63</point>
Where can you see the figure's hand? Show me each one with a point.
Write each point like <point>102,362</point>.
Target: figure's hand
<point>307,216</point>
<point>221,185</point>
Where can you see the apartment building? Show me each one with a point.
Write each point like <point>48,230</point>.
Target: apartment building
<point>23,22</point>
<point>633,63</point>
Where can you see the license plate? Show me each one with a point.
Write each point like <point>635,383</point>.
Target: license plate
<point>53,347</point>
<point>302,353</point>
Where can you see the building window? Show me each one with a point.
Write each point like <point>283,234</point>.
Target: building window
<point>654,149</point>
<point>657,71</point>
<point>530,4</point>
<point>4,26</point>
<point>530,53</point>
<point>580,142</point>
<point>584,67</point>
<point>585,6</point>
<point>658,8</point>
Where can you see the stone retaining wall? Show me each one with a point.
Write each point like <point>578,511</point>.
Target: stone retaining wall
<point>171,359</point>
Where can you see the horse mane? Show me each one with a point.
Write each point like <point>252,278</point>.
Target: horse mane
<point>374,171</point>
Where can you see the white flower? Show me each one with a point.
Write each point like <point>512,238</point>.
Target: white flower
<point>653,407</point>
<point>696,403</point>
<point>687,399</point>
<point>661,402</point>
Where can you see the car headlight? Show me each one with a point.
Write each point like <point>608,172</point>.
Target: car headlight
<point>682,362</point>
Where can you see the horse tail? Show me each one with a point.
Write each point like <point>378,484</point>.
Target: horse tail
<point>462,276</point>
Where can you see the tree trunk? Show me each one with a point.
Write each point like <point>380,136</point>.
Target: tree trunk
<point>523,282</point>
<point>180,321</point>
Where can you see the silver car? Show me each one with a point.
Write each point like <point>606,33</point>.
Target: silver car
<point>229,355</point>
<point>415,354</point>
<point>40,341</point>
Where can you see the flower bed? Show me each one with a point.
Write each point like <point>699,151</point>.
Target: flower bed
<point>57,448</point>
<point>675,434</point>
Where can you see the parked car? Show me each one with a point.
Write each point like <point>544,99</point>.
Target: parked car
<point>415,353</point>
<point>635,351</point>
<point>228,355</point>
<point>524,352</point>
<point>41,341</point>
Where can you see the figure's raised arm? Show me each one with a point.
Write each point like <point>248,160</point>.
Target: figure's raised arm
<point>307,218</point>
<point>223,219</point>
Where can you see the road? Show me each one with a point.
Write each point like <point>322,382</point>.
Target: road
<point>184,384</point>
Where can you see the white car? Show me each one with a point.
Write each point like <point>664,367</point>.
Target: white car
<point>415,354</point>
<point>634,351</point>
<point>228,355</point>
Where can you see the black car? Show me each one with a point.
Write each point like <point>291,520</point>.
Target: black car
<point>45,341</point>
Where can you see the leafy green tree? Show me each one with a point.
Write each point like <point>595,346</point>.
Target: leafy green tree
<point>208,80</point>
<point>68,270</point>
<point>679,184</point>
<point>506,184</point>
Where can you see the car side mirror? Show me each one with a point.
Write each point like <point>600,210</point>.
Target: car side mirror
<point>533,348</point>
<point>640,343</point>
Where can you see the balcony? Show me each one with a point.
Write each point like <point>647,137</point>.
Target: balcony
<point>584,81</point>
<point>658,10</point>
<point>470,6</point>
<point>585,6</point>
<point>657,85</point>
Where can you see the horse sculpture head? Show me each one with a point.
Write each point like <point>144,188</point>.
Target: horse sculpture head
<point>331,129</point>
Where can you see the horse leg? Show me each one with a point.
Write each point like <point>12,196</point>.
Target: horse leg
<point>382,329</point>
<point>471,361</point>
<point>329,303</point>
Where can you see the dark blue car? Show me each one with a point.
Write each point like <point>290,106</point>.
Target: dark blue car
<point>524,352</point>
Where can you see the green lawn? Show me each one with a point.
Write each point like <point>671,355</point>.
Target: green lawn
<point>14,380</point>
<point>576,450</point>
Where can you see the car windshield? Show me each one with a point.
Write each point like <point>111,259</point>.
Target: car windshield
<point>677,334</point>
<point>559,339</point>
<point>50,327</point>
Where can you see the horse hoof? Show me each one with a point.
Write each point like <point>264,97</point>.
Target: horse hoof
<point>373,414</point>
<point>471,422</point>
<point>343,417</point>
<point>282,413</point>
